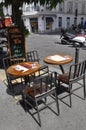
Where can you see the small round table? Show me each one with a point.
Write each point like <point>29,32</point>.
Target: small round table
<point>23,69</point>
<point>58,59</point>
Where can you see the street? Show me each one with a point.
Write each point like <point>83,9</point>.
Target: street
<point>47,44</point>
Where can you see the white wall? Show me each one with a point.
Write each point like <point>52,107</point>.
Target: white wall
<point>63,14</point>
<point>41,27</point>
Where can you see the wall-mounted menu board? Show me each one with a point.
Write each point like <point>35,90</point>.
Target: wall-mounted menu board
<point>16,43</point>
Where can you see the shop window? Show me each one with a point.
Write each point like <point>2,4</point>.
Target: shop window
<point>68,22</point>
<point>60,22</point>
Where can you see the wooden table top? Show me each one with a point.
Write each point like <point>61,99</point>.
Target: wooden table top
<point>23,69</point>
<point>58,59</point>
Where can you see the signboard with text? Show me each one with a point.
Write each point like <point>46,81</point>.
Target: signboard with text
<point>16,43</point>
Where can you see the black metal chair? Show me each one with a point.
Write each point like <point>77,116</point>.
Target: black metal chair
<point>11,80</point>
<point>75,74</point>
<point>38,93</point>
<point>32,56</point>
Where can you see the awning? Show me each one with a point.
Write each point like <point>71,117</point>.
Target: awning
<point>49,19</point>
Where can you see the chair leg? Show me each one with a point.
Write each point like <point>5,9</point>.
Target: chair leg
<point>45,99</point>
<point>70,87</point>
<point>57,103</point>
<point>38,113</point>
<point>24,99</point>
<point>84,87</point>
<point>10,86</point>
<point>26,79</point>
<point>59,83</point>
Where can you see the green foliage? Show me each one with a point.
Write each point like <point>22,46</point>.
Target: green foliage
<point>52,3</point>
<point>26,32</point>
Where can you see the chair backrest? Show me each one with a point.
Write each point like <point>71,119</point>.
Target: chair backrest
<point>32,56</point>
<point>17,60</point>
<point>7,61</point>
<point>43,70</point>
<point>44,85</point>
<point>77,71</point>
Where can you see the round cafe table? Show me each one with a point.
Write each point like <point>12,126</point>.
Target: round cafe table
<point>58,59</point>
<point>23,69</point>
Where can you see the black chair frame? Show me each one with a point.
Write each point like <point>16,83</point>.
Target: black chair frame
<point>76,73</point>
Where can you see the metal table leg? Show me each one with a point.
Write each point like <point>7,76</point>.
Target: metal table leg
<point>61,68</point>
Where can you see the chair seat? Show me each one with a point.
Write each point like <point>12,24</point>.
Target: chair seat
<point>13,77</point>
<point>64,78</point>
<point>30,90</point>
<point>37,73</point>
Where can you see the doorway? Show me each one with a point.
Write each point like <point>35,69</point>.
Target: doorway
<point>34,24</point>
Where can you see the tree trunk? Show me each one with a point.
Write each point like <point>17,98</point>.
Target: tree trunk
<point>15,10</point>
<point>16,15</point>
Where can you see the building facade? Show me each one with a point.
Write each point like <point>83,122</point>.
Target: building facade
<point>42,19</point>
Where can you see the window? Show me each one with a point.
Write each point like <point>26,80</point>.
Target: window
<point>68,22</point>
<point>82,21</point>
<point>83,8</point>
<point>69,7</point>
<point>49,21</point>
<point>60,22</point>
<point>75,21</point>
<point>34,24</point>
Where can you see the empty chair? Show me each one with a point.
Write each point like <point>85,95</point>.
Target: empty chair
<point>11,80</point>
<point>75,74</point>
<point>43,87</point>
<point>32,56</point>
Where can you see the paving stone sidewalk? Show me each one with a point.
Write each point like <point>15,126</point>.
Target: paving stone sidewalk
<point>12,114</point>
